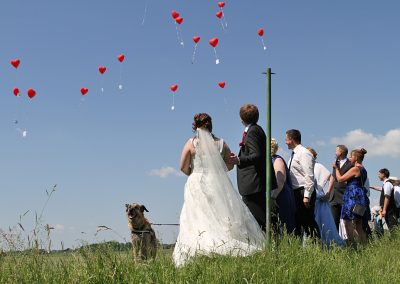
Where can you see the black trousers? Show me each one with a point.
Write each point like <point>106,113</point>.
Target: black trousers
<point>305,217</point>
<point>336,212</point>
<point>391,219</point>
<point>257,204</point>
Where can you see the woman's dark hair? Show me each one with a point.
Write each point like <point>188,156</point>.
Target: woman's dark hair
<point>295,135</point>
<point>359,154</point>
<point>202,120</point>
<point>249,113</point>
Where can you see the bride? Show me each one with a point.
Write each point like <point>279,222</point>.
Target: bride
<point>214,219</point>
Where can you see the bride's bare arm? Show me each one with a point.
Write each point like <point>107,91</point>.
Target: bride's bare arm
<point>185,158</point>
<point>227,154</point>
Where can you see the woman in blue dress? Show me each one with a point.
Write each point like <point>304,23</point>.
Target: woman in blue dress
<point>355,200</point>
<point>283,196</point>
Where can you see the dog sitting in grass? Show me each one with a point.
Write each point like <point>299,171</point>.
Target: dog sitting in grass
<point>143,238</point>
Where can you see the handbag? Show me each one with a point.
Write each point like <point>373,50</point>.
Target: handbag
<point>359,210</point>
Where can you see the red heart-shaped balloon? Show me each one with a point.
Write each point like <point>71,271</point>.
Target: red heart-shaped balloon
<point>121,57</point>
<point>221,84</point>
<point>221,4</point>
<point>174,14</point>
<point>102,69</point>
<point>15,63</point>
<point>260,32</point>
<point>179,20</point>
<point>31,93</point>
<point>196,39</point>
<point>84,91</point>
<point>16,92</point>
<point>214,41</point>
<point>219,14</point>
<point>174,88</point>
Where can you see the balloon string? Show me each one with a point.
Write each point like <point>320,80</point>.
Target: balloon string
<point>173,101</point>
<point>222,24</point>
<point>223,17</point>
<point>145,12</point>
<point>262,41</point>
<point>120,77</point>
<point>178,34</point>
<point>216,56</point>
<point>101,83</point>
<point>194,52</point>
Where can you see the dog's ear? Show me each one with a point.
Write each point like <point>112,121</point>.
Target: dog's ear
<point>127,206</point>
<point>143,208</point>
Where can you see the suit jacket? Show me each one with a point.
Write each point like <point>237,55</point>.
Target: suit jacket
<point>339,187</point>
<point>251,173</point>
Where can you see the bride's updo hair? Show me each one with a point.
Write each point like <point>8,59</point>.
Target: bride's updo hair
<point>359,154</point>
<point>202,120</point>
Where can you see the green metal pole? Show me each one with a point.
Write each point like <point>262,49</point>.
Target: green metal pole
<point>268,166</point>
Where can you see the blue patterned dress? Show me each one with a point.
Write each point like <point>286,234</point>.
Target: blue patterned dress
<point>286,202</point>
<point>354,194</point>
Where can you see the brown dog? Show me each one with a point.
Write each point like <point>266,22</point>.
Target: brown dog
<point>143,238</point>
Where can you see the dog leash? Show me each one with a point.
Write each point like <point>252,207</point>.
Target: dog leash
<point>164,224</point>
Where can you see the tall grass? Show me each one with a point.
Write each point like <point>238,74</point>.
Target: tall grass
<point>287,263</point>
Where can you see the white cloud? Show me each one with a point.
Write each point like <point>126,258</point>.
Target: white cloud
<point>320,143</point>
<point>59,227</point>
<point>164,172</point>
<point>376,145</point>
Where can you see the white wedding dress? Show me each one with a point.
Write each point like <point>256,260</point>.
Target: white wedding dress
<point>214,219</point>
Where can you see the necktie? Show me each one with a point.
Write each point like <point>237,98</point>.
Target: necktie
<point>291,159</point>
<point>243,136</point>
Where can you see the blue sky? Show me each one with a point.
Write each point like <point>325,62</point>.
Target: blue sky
<point>336,65</point>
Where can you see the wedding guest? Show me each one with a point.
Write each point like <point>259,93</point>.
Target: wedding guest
<point>283,196</point>
<point>396,187</point>
<point>301,167</point>
<point>387,201</point>
<point>321,174</point>
<point>355,199</point>
<point>323,215</point>
<point>336,189</point>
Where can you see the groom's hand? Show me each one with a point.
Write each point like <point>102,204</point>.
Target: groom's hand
<point>233,159</point>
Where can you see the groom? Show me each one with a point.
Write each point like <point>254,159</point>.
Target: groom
<point>251,167</point>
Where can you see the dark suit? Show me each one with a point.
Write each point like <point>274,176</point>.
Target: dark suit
<point>338,189</point>
<point>251,173</point>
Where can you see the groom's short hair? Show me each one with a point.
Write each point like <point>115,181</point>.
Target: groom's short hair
<point>295,135</point>
<point>249,113</point>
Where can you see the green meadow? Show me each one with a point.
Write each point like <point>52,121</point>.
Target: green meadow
<point>288,262</point>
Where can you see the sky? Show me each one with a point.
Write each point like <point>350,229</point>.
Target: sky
<point>336,65</point>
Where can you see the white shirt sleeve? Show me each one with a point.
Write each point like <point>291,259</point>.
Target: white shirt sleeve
<point>307,161</point>
<point>387,188</point>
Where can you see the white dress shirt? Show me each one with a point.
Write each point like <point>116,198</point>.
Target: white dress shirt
<point>302,170</point>
<point>387,187</point>
<point>341,162</point>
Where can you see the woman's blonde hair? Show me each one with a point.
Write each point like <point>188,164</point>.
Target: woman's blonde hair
<point>274,146</point>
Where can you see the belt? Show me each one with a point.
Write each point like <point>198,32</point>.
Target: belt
<point>299,188</point>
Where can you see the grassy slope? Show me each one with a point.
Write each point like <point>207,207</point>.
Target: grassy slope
<point>289,263</point>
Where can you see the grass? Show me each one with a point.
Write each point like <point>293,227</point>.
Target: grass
<point>287,263</point>
<point>26,261</point>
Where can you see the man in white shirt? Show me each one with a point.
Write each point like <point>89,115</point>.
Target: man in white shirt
<point>387,201</point>
<point>301,167</point>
